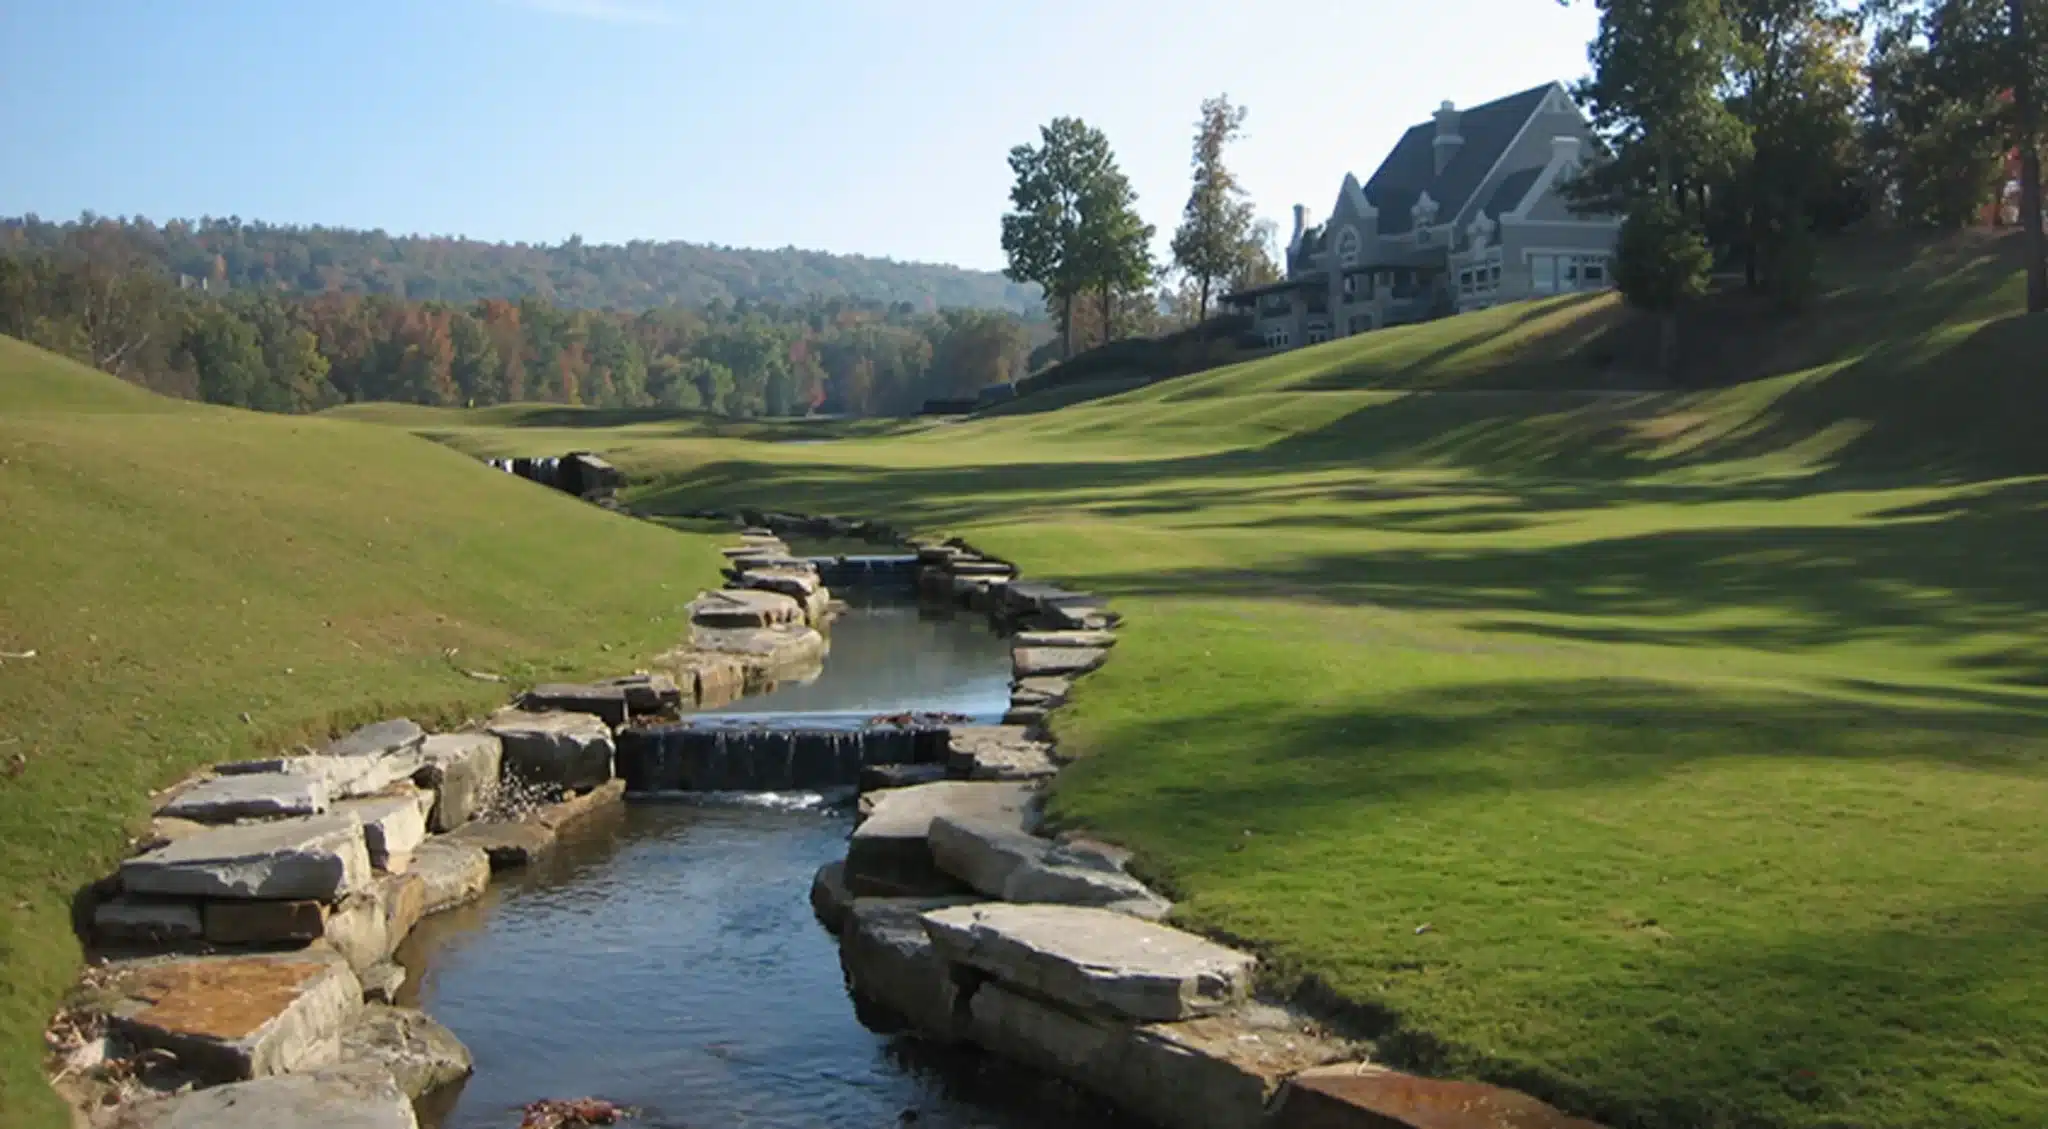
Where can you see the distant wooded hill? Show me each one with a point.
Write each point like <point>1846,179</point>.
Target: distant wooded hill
<point>632,276</point>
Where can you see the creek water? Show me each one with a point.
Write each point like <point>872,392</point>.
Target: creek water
<point>667,958</point>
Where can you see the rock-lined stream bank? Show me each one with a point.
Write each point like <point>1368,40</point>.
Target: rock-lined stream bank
<point>245,972</point>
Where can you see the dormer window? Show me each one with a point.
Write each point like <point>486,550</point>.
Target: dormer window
<point>1347,247</point>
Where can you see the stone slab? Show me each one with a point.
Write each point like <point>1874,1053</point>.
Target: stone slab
<point>563,814</point>
<point>265,923</point>
<point>830,898</point>
<point>452,873</point>
<point>998,752</point>
<point>320,857</point>
<point>397,736</point>
<point>647,692</point>
<point>507,843</point>
<point>744,607</point>
<point>605,702</point>
<point>344,776</point>
<point>787,645</point>
<point>1010,864</point>
<point>707,680</point>
<point>232,1018</point>
<point>152,921</point>
<point>462,770</point>
<point>420,1054</point>
<point>889,853</point>
<point>878,777</point>
<point>1363,1096</point>
<point>1041,690</point>
<point>888,958</point>
<point>263,795</point>
<point>393,828</point>
<point>1095,961</point>
<point>569,750</point>
<point>1031,662</point>
<point>339,1097</point>
<point>1068,638</point>
<point>797,583</point>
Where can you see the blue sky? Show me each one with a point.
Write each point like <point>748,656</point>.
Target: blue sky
<point>871,126</point>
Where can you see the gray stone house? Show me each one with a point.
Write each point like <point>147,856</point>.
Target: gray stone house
<point>1465,213</point>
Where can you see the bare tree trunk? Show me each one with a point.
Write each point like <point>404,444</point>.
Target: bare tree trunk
<point>1202,311</point>
<point>1067,326</point>
<point>2028,113</point>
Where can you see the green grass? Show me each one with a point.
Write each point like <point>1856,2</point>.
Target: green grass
<point>199,583</point>
<point>1706,731</point>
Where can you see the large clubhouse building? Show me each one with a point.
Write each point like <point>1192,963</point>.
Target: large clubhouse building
<point>1465,213</point>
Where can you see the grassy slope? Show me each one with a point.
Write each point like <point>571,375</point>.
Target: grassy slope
<point>1704,731</point>
<point>176,567</point>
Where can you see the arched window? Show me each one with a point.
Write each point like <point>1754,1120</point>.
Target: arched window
<point>1347,247</point>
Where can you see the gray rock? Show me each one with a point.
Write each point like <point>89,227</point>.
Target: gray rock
<point>572,750</point>
<point>1031,662</point>
<point>508,843</point>
<point>352,1097</point>
<point>1093,960</point>
<point>877,777</point>
<point>888,958</point>
<point>268,795</point>
<point>393,828</point>
<point>320,857</point>
<point>998,752</point>
<point>382,983</point>
<point>265,923</point>
<point>462,770</point>
<point>379,739</point>
<point>1072,638</point>
<point>889,854</point>
<point>764,647</point>
<point>830,899</point>
<point>646,692</point>
<point>1041,690</point>
<point>231,1018</point>
<point>421,1054</point>
<point>1007,863</point>
<point>605,702</point>
<point>744,607</point>
<point>343,776</point>
<point>1026,716</point>
<point>147,921</point>
<point>797,583</point>
<point>454,873</point>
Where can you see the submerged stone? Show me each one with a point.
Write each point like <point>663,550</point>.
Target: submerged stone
<point>319,857</point>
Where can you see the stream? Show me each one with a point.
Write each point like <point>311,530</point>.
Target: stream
<point>667,958</point>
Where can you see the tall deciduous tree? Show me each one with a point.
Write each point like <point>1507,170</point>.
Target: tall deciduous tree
<point>2026,66</point>
<point>1072,227</point>
<point>1115,245</point>
<point>1216,223</point>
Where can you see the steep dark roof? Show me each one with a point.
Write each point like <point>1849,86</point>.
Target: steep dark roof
<point>1410,169</point>
<point>1512,188</point>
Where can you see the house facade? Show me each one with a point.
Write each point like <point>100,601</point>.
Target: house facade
<point>1466,212</point>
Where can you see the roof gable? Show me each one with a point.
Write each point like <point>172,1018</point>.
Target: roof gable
<point>1410,169</point>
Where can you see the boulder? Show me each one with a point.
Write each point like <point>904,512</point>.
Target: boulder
<point>1217,1072</point>
<point>572,750</point>
<point>1095,961</point>
<point>830,899</point>
<point>889,854</point>
<point>876,777</point>
<point>339,1097</point>
<point>263,795</point>
<point>451,873</point>
<point>265,923</point>
<point>744,607</point>
<point>319,857</point>
<point>367,928</point>
<point>997,752</point>
<point>383,982</point>
<point>1007,863</point>
<point>230,1018</point>
<point>1031,662</point>
<point>149,921</point>
<point>508,843</point>
<point>1363,1096</point>
<point>420,1054</point>
<point>1074,638</point>
<point>462,770</point>
<point>706,680</point>
<point>798,584</point>
<point>646,692</point>
<point>888,958</point>
<point>393,828</point>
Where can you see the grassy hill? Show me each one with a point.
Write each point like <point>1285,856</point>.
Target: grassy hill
<point>197,583</point>
<point>1677,754</point>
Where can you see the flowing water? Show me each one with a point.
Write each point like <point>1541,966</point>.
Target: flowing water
<point>667,958</point>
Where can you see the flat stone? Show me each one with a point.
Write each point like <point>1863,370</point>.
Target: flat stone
<point>786,645</point>
<point>1007,863</point>
<point>889,854</point>
<point>646,692</point>
<point>998,752</point>
<point>320,857</point>
<point>744,607</point>
<point>462,770</point>
<point>706,679</point>
<point>379,739</point>
<point>605,702</point>
<point>768,544</point>
<point>339,1097</point>
<point>797,583</point>
<point>876,777</point>
<point>830,899</point>
<point>966,567</point>
<point>267,795</point>
<point>1041,690</point>
<point>1074,638</point>
<point>1026,716</point>
<point>393,828</point>
<point>888,958</point>
<point>164,830</point>
<point>1033,661</point>
<point>572,750</point>
<point>383,982</point>
<point>265,923</point>
<point>1217,1072</point>
<point>1363,1096</point>
<point>239,1017</point>
<point>421,1054</point>
<point>451,873</point>
<point>147,921</point>
<point>508,843</point>
<point>1094,960</point>
<point>562,814</point>
<point>344,776</point>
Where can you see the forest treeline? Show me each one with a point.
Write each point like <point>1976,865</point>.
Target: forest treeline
<point>642,274</point>
<point>101,298</point>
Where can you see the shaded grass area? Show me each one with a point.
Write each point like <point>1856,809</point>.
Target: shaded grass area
<point>1676,755</point>
<point>198,583</point>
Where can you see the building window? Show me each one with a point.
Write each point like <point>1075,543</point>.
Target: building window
<point>1347,246</point>
<point>1317,334</point>
<point>1358,287</point>
<point>1278,337</point>
<point>1564,274</point>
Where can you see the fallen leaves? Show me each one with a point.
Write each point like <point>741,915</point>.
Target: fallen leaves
<point>569,1113</point>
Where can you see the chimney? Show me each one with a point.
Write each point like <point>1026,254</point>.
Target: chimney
<point>1448,142</point>
<point>1300,225</point>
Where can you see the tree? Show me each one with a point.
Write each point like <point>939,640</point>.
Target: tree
<point>1660,263</point>
<point>1216,223</point>
<point>1070,226</point>
<point>1115,245</point>
<point>2028,89</point>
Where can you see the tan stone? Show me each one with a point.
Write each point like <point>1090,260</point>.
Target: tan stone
<point>239,1017</point>
<point>453,873</point>
<point>1363,1096</point>
<point>508,843</point>
<point>1031,662</point>
<point>563,814</point>
<point>998,752</point>
<point>744,607</point>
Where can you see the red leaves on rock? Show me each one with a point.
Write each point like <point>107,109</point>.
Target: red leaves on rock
<point>571,1113</point>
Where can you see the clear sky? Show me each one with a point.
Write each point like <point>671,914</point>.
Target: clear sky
<point>871,126</point>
